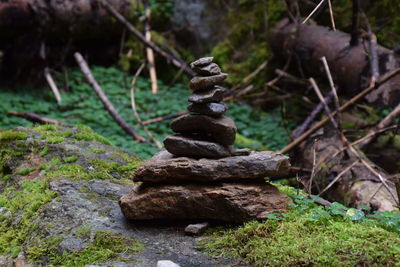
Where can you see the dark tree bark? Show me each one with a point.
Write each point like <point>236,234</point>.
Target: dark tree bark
<point>350,65</point>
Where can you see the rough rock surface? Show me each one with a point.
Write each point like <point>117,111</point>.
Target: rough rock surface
<point>196,229</point>
<point>209,109</point>
<point>164,167</point>
<point>186,146</point>
<point>231,202</point>
<point>93,204</point>
<point>201,62</point>
<point>201,83</point>
<point>213,94</point>
<point>208,70</point>
<point>222,130</point>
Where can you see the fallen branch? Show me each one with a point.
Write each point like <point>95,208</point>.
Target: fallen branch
<point>33,117</point>
<point>177,62</point>
<point>342,108</point>
<point>165,117</point>
<point>135,113</point>
<point>107,104</point>
<point>52,84</point>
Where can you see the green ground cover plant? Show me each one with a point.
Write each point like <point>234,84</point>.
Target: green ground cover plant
<point>80,105</point>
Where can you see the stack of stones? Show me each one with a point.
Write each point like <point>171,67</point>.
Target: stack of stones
<point>206,132</point>
<point>200,176</point>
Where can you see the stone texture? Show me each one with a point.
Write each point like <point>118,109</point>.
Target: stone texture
<point>165,167</point>
<point>167,263</point>
<point>232,202</point>
<point>201,62</point>
<point>201,83</point>
<point>186,146</point>
<point>209,109</point>
<point>213,94</point>
<point>207,70</point>
<point>196,229</point>
<point>222,130</point>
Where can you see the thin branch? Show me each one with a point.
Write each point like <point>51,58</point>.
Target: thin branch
<point>312,12</point>
<point>52,84</point>
<point>135,113</point>
<point>34,117</point>
<point>355,25</point>
<point>107,104</point>
<point>177,62</point>
<point>349,103</point>
<point>333,90</point>
<point>150,55</point>
<point>165,117</point>
<point>326,107</point>
<point>331,14</point>
<point>338,177</point>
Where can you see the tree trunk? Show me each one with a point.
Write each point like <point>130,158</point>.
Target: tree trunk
<point>349,65</point>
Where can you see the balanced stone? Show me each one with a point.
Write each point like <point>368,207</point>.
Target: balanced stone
<point>213,94</point>
<point>201,83</point>
<point>165,167</point>
<point>222,130</point>
<point>186,146</point>
<point>201,62</point>
<point>231,202</point>
<point>210,109</point>
<point>207,70</point>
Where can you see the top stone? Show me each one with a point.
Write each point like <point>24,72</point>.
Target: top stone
<point>201,62</point>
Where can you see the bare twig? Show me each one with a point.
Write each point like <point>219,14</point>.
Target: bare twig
<point>134,110</point>
<point>165,117</point>
<point>321,98</point>
<point>107,104</point>
<point>333,90</point>
<point>337,177</point>
<point>34,117</point>
<point>331,14</point>
<point>177,62</point>
<point>312,12</point>
<point>150,55</point>
<point>342,108</point>
<point>52,84</point>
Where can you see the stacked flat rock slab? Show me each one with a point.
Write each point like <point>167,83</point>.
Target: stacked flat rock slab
<point>206,132</point>
<point>200,176</point>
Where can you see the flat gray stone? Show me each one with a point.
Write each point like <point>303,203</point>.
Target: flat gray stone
<point>165,167</point>
<point>201,62</point>
<point>209,109</point>
<point>213,94</point>
<point>207,70</point>
<point>221,130</point>
<point>196,229</point>
<point>228,202</point>
<point>201,83</point>
<point>185,146</point>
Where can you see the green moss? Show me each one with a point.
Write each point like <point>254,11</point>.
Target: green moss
<point>244,142</point>
<point>84,232</point>
<point>12,135</point>
<point>105,247</point>
<point>45,151</point>
<point>55,139</point>
<point>25,200</point>
<point>311,235</point>
<point>70,159</point>
<point>96,150</point>
<point>25,171</point>
<point>69,171</point>
<point>87,134</point>
<point>46,128</point>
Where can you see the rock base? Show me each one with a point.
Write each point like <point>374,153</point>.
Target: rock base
<point>231,202</point>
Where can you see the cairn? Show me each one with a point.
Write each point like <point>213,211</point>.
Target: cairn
<point>205,132</point>
<point>200,176</point>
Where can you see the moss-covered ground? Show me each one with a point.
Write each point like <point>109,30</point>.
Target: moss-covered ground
<point>29,160</point>
<point>311,235</point>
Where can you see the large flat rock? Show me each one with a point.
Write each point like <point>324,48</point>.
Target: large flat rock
<point>231,202</point>
<point>222,130</point>
<point>164,167</point>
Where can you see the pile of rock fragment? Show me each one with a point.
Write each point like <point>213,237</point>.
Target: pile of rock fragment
<point>199,175</point>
